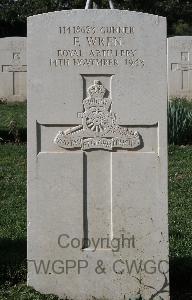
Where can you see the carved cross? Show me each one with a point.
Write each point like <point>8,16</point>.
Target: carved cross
<point>15,68</point>
<point>184,67</point>
<point>99,131</point>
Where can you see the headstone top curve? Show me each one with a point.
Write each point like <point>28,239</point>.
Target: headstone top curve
<point>95,11</point>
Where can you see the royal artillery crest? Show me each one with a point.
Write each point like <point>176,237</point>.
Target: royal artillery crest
<point>99,128</point>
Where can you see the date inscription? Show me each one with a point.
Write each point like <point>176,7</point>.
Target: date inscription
<point>96,46</point>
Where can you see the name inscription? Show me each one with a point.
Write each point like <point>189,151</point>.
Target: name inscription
<point>97,46</point>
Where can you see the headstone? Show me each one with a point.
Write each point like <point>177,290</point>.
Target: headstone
<point>180,66</point>
<point>13,69</point>
<point>97,155</point>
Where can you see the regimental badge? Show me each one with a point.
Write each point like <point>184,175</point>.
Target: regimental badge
<point>99,129</point>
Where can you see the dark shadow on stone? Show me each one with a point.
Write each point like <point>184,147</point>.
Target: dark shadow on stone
<point>181,278</point>
<point>13,262</point>
<point>85,217</point>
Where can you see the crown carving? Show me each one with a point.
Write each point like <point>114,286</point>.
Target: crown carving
<point>97,90</point>
<point>99,128</point>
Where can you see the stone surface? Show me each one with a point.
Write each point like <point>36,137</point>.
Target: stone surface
<point>13,69</point>
<point>97,155</point>
<point>180,66</point>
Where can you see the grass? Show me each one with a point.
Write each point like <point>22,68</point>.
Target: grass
<point>13,201</point>
<point>180,220</point>
<point>22,292</point>
<point>9,113</point>
<point>186,103</point>
<point>13,217</point>
<point>180,122</point>
<point>12,213</point>
<point>180,198</point>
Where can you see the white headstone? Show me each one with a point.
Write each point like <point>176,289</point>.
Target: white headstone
<point>180,66</point>
<point>97,155</point>
<point>13,69</point>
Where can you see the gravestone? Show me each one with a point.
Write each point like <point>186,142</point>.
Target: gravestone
<point>13,69</point>
<point>180,66</point>
<point>97,155</point>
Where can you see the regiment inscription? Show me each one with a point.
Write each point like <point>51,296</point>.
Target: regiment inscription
<point>105,46</point>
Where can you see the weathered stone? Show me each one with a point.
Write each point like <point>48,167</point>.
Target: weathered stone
<point>13,69</point>
<point>97,155</point>
<point>180,66</point>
